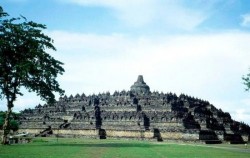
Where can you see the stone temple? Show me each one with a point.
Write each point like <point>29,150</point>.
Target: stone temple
<point>136,114</point>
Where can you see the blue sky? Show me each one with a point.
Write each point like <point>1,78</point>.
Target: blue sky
<point>200,47</point>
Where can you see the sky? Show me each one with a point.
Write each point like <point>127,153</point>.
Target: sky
<point>200,48</point>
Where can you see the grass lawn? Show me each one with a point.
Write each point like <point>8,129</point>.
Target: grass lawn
<point>95,148</point>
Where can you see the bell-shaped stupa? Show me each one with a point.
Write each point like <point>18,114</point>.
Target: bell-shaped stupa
<point>140,86</point>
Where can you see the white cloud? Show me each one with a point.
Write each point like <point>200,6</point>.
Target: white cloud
<point>137,13</point>
<point>245,20</point>
<point>201,58</point>
<point>156,52</point>
<point>242,115</point>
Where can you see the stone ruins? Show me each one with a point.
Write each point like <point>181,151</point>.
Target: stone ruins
<point>137,114</point>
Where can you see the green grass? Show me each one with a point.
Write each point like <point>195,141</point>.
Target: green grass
<point>95,148</point>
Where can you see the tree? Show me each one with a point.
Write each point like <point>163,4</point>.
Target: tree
<point>246,80</point>
<point>13,121</point>
<point>25,63</point>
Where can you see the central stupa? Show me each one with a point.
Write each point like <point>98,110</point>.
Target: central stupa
<point>140,86</point>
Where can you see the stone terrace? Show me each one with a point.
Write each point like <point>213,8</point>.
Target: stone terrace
<point>138,114</point>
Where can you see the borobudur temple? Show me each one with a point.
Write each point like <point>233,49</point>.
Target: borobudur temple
<point>137,114</point>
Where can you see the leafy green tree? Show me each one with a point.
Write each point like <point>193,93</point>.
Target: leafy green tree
<point>246,80</point>
<point>13,125</point>
<point>13,120</point>
<point>2,114</point>
<point>25,63</point>
<point>1,122</point>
